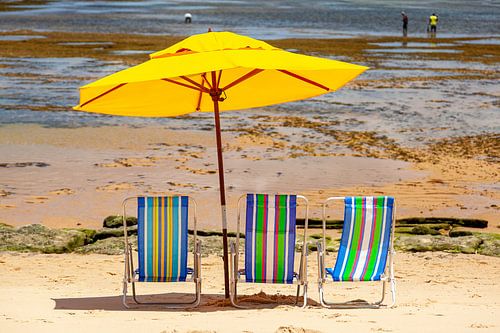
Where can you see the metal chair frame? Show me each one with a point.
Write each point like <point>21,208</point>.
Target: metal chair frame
<point>235,273</point>
<point>130,276</point>
<point>387,276</point>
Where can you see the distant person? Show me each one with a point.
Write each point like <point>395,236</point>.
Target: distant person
<point>405,23</point>
<point>187,18</point>
<point>433,22</point>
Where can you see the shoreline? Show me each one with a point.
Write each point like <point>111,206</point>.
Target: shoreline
<point>76,177</point>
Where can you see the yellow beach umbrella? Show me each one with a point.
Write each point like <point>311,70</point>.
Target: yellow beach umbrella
<point>213,72</point>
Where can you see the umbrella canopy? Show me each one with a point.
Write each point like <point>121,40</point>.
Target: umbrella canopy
<point>251,73</point>
<point>213,72</point>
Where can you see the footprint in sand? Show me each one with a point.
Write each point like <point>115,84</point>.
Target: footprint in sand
<point>36,199</point>
<point>7,206</point>
<point>129,162</point>
<point>4,193</point>
<point>62,191</point>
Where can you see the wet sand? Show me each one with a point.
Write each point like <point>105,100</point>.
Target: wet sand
<point>76,177</point>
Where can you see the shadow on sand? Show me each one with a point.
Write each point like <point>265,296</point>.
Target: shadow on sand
<point>209,302</point>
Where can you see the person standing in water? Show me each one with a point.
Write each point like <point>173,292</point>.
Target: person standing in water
<point>187,18</point>
<point>405,23</point>
<point>433,21</point>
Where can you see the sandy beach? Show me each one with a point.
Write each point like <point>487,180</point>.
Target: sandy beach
<point>436,292</point>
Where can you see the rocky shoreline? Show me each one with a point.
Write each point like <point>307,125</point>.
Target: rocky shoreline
<point>412,235</point>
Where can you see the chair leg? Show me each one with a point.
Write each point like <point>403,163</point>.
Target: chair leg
<point>124,297</point>
<point>233,283</point>
<point>351,304</point>
<point>393,293</point>
<point>298,294</point>
<point>304,304</point>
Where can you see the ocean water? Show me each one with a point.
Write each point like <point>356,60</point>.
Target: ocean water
<point>42,90</point>
<point>260,19</point>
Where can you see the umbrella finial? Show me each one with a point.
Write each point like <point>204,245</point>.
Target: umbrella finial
<point>209,29</point>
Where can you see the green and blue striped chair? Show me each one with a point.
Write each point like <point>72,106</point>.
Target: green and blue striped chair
<point>270,237</point>
<point>162,244</point>
<point>365,247</point>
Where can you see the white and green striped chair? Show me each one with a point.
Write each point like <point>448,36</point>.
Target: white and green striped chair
<point>366,247</point>
<point>270,238</point>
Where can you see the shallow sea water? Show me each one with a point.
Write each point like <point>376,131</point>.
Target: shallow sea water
<point>42,90</point>
<point>261,19</point>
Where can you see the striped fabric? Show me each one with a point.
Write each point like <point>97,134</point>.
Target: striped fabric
<point>270,238</point>
<point>365,239</point>
<point>162,238</point>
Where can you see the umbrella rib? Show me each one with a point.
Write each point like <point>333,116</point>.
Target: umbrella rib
<point>204,76</point>
<point>185,85</point>
<point>104,93</point>
<point>201,94</point>
<point>243,78</point>
<point>219,77</point>
<point>314,83</point>
<point>196,84</point>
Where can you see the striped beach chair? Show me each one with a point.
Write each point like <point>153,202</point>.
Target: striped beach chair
<point>365,247</point>
<point>270,237</point>
<point>162,243</point>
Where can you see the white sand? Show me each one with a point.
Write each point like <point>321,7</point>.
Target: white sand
<point>436,292</point>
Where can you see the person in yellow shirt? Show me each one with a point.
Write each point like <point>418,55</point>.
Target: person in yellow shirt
<point>433,21</point>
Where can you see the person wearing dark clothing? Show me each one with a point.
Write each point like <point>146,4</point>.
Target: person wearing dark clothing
<point>405,23</point>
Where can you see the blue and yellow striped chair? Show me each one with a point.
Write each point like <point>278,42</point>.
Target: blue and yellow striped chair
<point>366,247</point>
<point>162,243</point>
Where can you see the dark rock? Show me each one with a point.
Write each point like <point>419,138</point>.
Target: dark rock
<point>471,223</point>
<point>24,164</point>
<point>320,236</point>
<point>422,243</point>
<point>209,233</point>
<point>112,245</point>
<point>116,221</point>
<point>435,226</point>
<point>89,234</point>
<point>423,230</point>
<point>38,238</point>
<point>318,223</point>
<point>110,232</point>
<point>490,245</point>
<point>459,232</point>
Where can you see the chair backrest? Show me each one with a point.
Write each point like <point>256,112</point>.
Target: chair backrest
<point>365,239</point>
<point>270,238</point>
<point>162,238</point>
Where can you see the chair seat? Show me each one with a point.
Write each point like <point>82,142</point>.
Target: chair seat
<point>140,278</point>
<point>338,277</point>
<point>293,280</point>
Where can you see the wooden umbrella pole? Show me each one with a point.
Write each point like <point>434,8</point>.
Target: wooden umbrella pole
<point>215,94</point>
